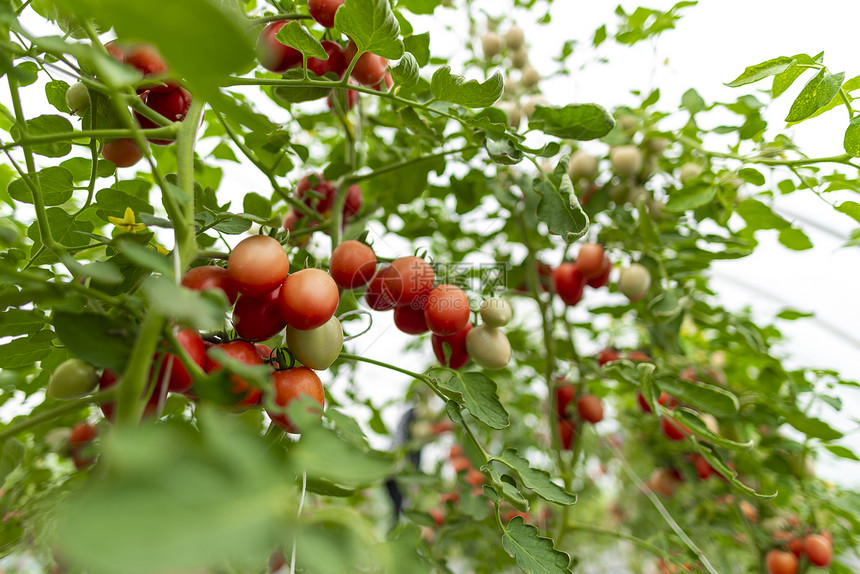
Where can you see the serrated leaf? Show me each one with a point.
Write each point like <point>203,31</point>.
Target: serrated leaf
<point>294,35</point>
<point>23,352</point>
<point>55,183</point>
<point>406,72</point>
<point>559,208</point>
<point>761,71</point>
<point>539,481</point>
<point>300,94</point>
<point>784,80</point>
<point>574,121</point>
<point>533,553</point>
<point>419,46</point>
<point>716,461</point>
<point>449,87</point>
<point>256,204</point>
<point>12,454</point>
<point>816,94</point>
<point>851,141</point>
<point>691,420</point>
<point>812,427</point>
<point>372,26</point>
<point>710,398</point>
<point>690,197</point>
<point>47,125</point>
<point>145,257</point>
<point>189,307</point>
<point>14,322</point>
<point>98,339</point>
<point>477,392</point>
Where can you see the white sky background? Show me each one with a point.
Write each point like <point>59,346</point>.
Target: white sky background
<point>712,45</point>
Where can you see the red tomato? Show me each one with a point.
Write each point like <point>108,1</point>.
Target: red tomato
<point>354,200</point>
<point>779,562</point>
<point>602,279</point>
<point>288,386</point>
<point>146,58</point>
<point>344,103</point>
<point>211,277</point>
<point>258,265</point>
<point>244,352</point>
<point>438,516</point>
<point>475,478</point>
<point>109,379</point>
<point>336,62</point>
<point>352,264</point>
<point>82,433</point>
<point>122,152</point>
<point>370,68</point>
<point>607,356</point>
<point>703,467</point>
<point>277,560</point>
<point>273,55</point>
<point>643,404</point>
<point>173,105</point>
<point>639,356</point>
<point>258,318</point>
<point>818,549</point>
<point>458,354</point>
<point>447,310</point>
<point>83,457</point>
<point>461,464</point>
<point>566,433</point>
<point>180,380</point>
<point>795,545</point>
<point>672,429</point>
<point>569,283</point>
<point>410,278</point>
<point>308,299</point>
<point>264,351</point>
<point>410,319</point>
<point>590,260</point>
<point>387,80</point>
<point>377,296</point>
<point>564,395</point>
<point>590,408</point>
<point>323,11</point>
<point>116,49</point>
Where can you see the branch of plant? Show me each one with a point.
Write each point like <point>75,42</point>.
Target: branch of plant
<point>114,133</point>
<point>134,379</point>
<point>408,163</point>
<point>254,22</point>
<point>579,527</point>
<point>61,409</point>
<point>186,238</point>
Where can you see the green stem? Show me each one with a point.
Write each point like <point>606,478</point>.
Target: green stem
<point>167,132</point>
<point>409,163</point>
<point>186,238</point>
<point>49,415</point>
<point>277,18</point>
<point>132,385</point>
<point>576,526</point>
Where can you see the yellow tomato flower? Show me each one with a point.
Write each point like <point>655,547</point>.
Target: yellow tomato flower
<point>127,222</point>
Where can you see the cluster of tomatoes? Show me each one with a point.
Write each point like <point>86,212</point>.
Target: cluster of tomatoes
<point>319,194</point>
<point>816,547</point>
<point>592,268</point>
<point>589,409</point>
<point>370,70</point>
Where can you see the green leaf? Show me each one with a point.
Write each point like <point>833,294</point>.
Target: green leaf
<point>65,229</point>
<point>55,91</point>
<point>478,393</point>
<point>449,87</point>
<point>326,456</point>
<point>716,461</point>
<point>783,80</point>
<point>851,209</point>
<point>794,239</point>
<point>14,322</point>
<point>145,256</point>
<point>693,102</point>
<point>760,216</point>
<point>12,454</point>
<point>406,72</point>
<point>503,151</point>
<point>421,6</point>
<point>533,553</point>
<point>851,142</point>
<point>536,480</point>
<point>98,339</point>
<point>559,208</point>
<point>574,121</point>
<point>751,175</point>
<point>842,452</point>
<point>48,125</point>
<point>419,46</point>
<point>792,315</point>
<point>709,398</point>
<point>55,182</point>
<point>294,35</point>
<point>812,427</point>
<point>300,94</point>
<point>690,197</point>
<point>189,307</point>
<point>816,94</point>
<point>372,26</point>
<point>23,352</point>
<point>256,204</point>
<point>691,420</point>
<point>762,71</point>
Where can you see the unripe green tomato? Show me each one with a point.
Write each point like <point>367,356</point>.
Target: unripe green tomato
<point>491,44</point>
<point>515,37</point>
<point>316,348</point>
<point>489,347</point>
<point>619,193</point>
<point>496,312</point>
<point>78,98</point>
<point>690,171</point>
<point>627,123</point>
<point>655,208</point>
<point>72,379</point>
<point>626,159</point>
<point>649,168</point>
<point>531,103</point>
<point>520,58</point>
<point>638,192</point>
<point>531,77</point>
<point>582,165</point>
<point>656,145</point>
<point>634,281</point>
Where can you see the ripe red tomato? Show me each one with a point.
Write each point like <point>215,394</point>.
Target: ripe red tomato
<point>336,62</point>
<point>354,200</point>
<point>569,283</point>
<point>438,516</point>
<point>779,562</point>
<point>387,80</point>
<point>344,103</point>
<point>377,295</point>
<point>818,549</point>
<point>643,404</point>
<point>83,457</point>
<point>607,356</point>
<point>639,356</point>
<point>180,380</point>
<point>146,58</point>
<point>564,395</point>
<point>458,354</point>
<point>590,408</point>
<point>590,260</point>
<point>370,68</point>
<point>258,318</point>
<point>461,464</point>
<point>323,11</point>
<point>273,55</point>
<point>246,395</point>
<point>82,433</point>
<point>116,49</point>
<point>447,310</point>
<point>703,467</point>
<point>277,560</point>
<point>288,386</point>
<point>603,278</point>
<point>308,299</point>
<point>672,429</point>
<point>352,264</point>
<point>410,319</point>
<point>566,433</point>
<point>795,545</point>
<point>258,265</point>
<point>109,379</point>
<point>211,277</point>
<point>475,478</point>
<point>322,198</point>
<point>409,279</point>
<point>122,152</point>
<point>173,105</point>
